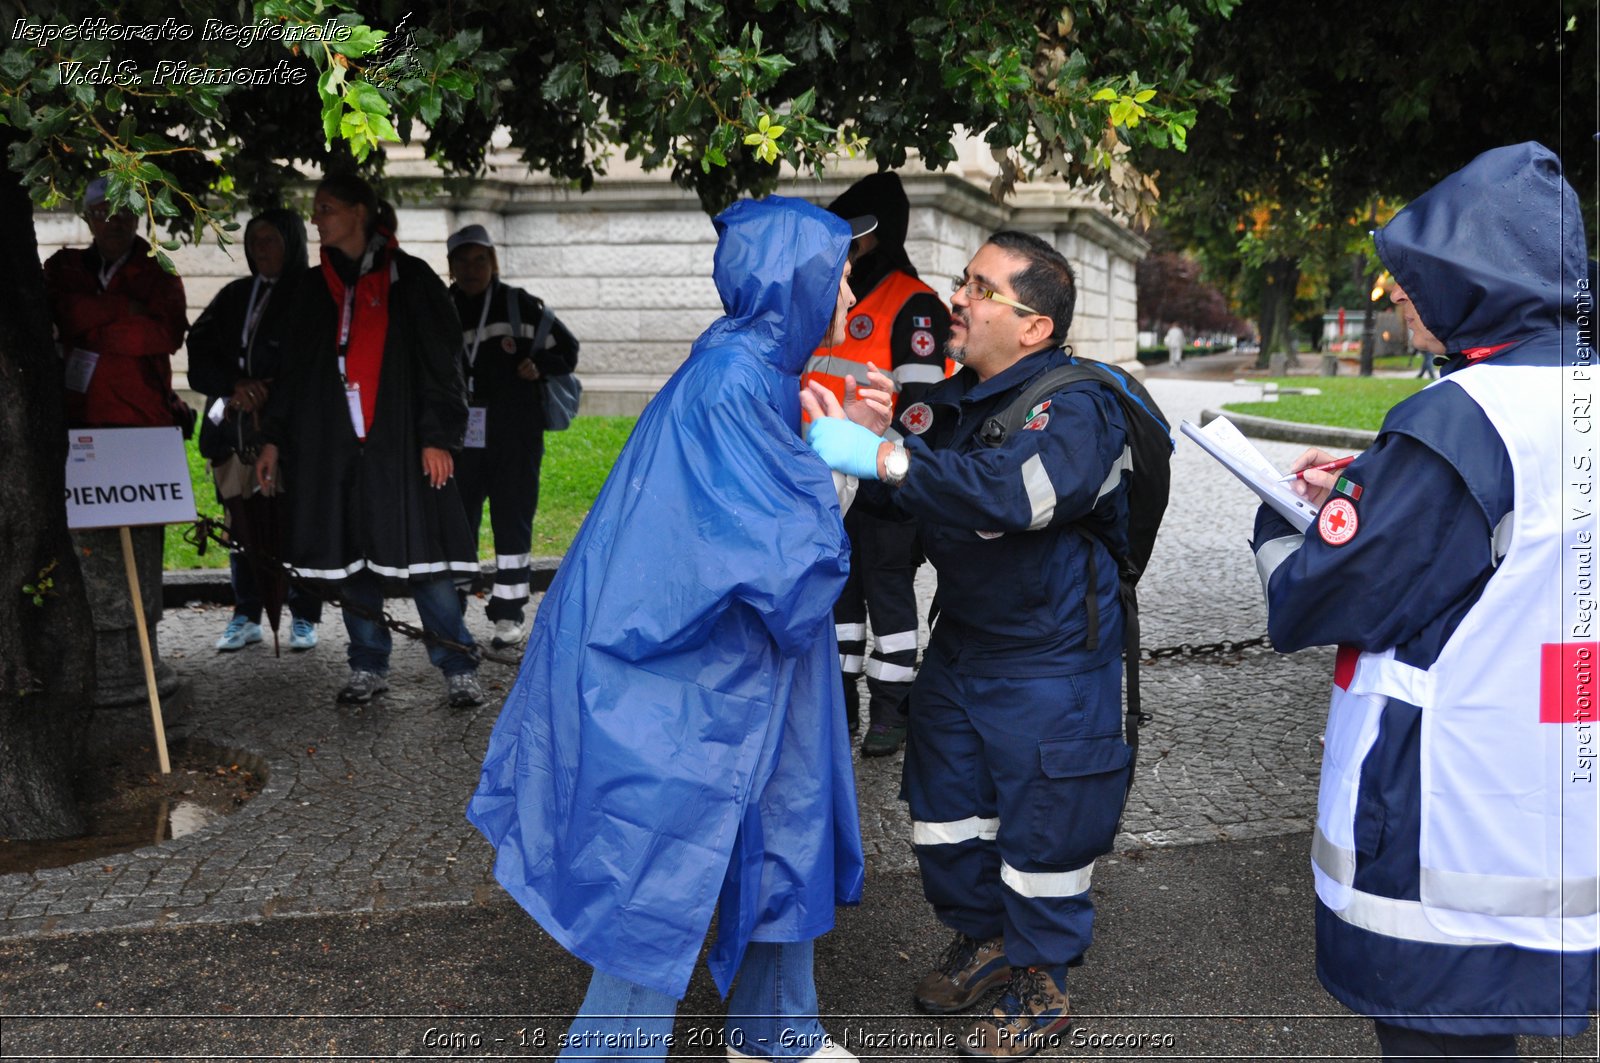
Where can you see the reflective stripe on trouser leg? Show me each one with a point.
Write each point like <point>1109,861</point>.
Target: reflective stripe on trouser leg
<point>513,498</point>
<point>1050,758</point>
<point>889,580</point>
<point>954,820</point>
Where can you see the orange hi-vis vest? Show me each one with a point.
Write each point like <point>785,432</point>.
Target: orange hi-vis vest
<point>869,328</point>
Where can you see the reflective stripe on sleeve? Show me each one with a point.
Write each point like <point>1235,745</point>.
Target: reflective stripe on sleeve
<point>954,832</point>
<point>1113,480</point>
<point>513,591</point>
<point>1273,553</point>
<point>1047,883</point>
<point>850,664</point>
<point>1041,492</point>
<point>850,632</point>
<point>505,561</point>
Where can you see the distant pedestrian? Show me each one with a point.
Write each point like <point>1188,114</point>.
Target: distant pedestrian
<point>505,424</point>
<point>1174,342</point>
<point>369,408</point>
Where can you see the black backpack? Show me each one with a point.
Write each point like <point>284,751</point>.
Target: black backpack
<point>1150,448</point>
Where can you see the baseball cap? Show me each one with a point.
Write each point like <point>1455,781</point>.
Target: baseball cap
<point>861,225</point>
<point>471,234</point>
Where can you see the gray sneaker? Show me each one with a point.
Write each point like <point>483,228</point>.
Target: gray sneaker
<point>362,687</point>
<point>465,693</point>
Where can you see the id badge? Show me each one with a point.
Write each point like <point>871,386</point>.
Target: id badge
<point>80,369</point>
<point>217,412</point>
<point>477,427</point>
<point>352,399</point>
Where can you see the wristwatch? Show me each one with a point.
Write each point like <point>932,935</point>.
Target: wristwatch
<point>895,465</point>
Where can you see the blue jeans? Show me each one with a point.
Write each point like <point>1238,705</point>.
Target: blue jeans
<point>772,1012</point>
<point>436,604</point>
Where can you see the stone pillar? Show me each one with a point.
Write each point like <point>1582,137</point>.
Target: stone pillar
<point>119,670</point>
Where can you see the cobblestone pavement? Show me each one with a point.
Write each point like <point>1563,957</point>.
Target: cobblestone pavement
<point>362,810</point>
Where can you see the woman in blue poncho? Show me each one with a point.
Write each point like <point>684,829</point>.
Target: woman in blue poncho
<point>674,744</point>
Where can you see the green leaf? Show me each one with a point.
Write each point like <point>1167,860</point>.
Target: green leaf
<point>429,105</point>
<point>1105,94</point>
<point>362,96</point>
<point>1144,97</point>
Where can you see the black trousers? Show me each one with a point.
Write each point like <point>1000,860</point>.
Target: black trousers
<point>884,556</point>
<point>507,476</point>
<point>1400,1043</point>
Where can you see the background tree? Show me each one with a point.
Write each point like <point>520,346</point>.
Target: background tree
<point>1339,102</point>
<point>716,92</point>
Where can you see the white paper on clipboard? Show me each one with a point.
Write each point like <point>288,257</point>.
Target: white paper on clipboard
<point>1239,456</point>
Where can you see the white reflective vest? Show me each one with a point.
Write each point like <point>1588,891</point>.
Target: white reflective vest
<point>1510,803</point>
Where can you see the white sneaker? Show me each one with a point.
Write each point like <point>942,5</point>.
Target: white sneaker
<point>829,1052</point>
<point>507,633</point>
<point>238,634</point>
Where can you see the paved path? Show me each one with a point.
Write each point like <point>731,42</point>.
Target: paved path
<point>402,945</point>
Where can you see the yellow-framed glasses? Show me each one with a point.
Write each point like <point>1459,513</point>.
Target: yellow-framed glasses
<point>976,291</point>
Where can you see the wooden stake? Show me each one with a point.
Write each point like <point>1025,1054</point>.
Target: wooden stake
<point>144,652</point>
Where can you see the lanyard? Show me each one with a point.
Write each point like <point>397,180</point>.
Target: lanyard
<point>477,336</point>
<point>109,270</point>
<point>348,316</point>
<point>252,317</point>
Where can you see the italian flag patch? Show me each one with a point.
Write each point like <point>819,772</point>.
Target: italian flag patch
<point>1346,486</point>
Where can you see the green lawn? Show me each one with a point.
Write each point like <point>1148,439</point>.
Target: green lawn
<point>1348,402</point>
<point>575,465</point>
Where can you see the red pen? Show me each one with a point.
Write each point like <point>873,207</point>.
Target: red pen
<point>1332,466</point>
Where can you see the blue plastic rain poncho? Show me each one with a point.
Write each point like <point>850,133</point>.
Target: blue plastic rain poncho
<point>674,740</point>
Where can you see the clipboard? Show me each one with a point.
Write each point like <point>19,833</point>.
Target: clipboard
<point>1223,441</point>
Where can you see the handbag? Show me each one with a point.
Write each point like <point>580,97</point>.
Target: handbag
<point>561,393</point>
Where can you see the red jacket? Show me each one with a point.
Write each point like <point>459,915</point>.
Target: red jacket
<point>133,377</point>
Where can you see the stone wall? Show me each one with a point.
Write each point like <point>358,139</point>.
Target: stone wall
<point>627,266</point>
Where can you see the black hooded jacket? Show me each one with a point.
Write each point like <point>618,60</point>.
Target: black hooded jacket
<point>220,353</point>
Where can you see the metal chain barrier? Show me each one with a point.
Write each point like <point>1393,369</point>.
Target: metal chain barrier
<point>209,529</point>
<point>206,530</point>
<point>1224,648</point>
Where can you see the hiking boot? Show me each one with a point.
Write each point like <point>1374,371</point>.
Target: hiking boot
<point>302,634</point>
<point>239,633</point>
<point>362,687</point>
<point>883,739</point>
<point>464,691</point>
<point>507,633</point>
<point>967,970</point>
<point>1032,1013</point>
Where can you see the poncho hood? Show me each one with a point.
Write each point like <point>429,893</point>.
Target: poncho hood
<point>777,270</point>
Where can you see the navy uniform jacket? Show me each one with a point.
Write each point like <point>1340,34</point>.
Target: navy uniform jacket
<point>1000,523</point>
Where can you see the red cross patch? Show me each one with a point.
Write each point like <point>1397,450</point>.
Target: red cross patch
<point>1037,422</point>
<point>922,343</point>
<point>860,327</point>
<point>918,418</point>
<point>1337,523</point>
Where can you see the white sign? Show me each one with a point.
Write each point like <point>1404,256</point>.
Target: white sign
<point>125,477</point>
